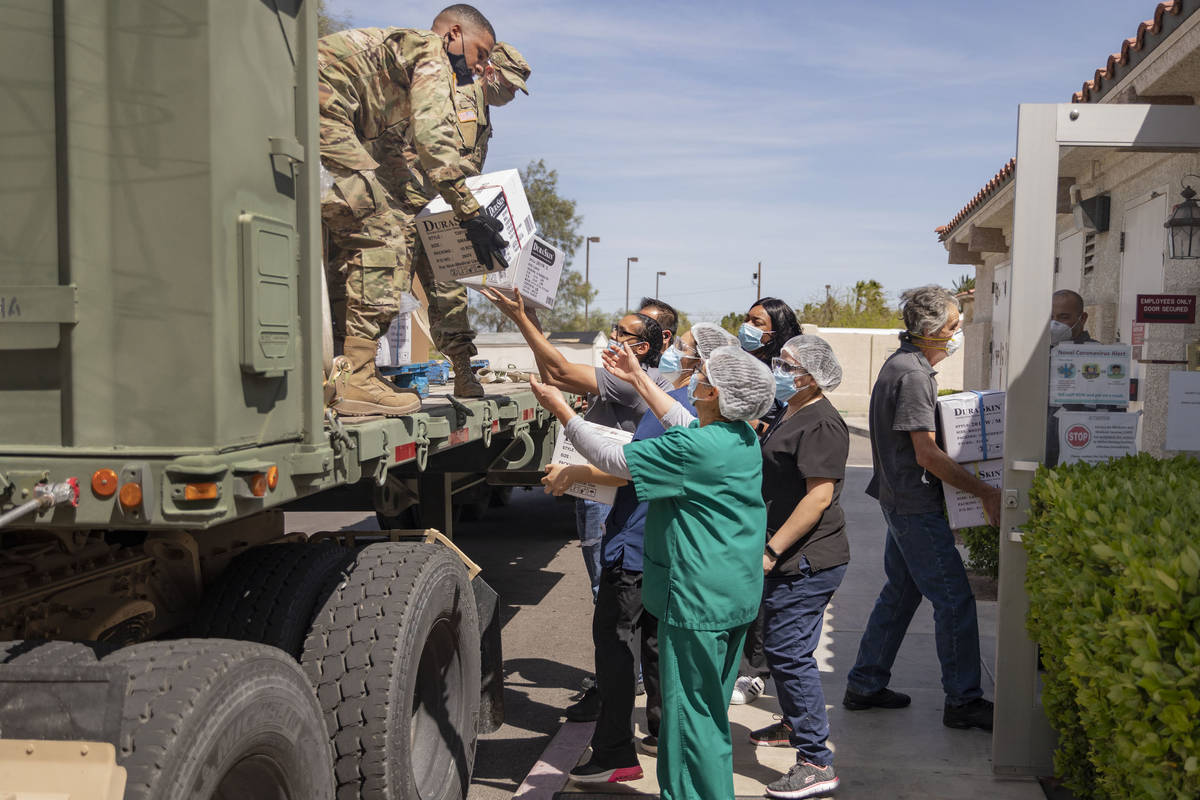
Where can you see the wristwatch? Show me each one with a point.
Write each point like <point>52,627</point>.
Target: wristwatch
<point>771,552</point>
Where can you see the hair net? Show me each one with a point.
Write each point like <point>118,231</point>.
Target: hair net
<point>816,357</point>
<point>746,386</point>
<point>710,336</point>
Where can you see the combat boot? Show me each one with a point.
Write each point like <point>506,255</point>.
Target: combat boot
<point>465,382</point>
<point>362,391</point>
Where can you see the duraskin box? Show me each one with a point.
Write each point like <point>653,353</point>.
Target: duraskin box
<point>500,195</point>
<point>972,425</point>
<point>965,510</point>
<point>565,453</point>
<point>535,273</point>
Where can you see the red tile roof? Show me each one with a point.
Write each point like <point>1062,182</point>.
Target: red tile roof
<point>1091,92</point>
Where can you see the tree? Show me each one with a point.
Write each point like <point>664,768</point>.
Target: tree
<point>330,22</point>
<point>558,223</point>
<point>963,284</point>
<point>862,306</point>
<point>732,321</point>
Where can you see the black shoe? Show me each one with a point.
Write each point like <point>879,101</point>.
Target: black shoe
<point>777,735</point>
<point>975,714</point>
<point>884,698</point>
<point>649,745</point>
<point>587,709</point>
<point>593,772</point>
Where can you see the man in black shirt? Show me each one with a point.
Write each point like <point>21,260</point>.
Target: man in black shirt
<point>920,558</point>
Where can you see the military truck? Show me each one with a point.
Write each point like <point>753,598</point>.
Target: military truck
<point>161,401</point>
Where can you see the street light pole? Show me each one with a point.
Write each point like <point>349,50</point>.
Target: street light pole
<point>657,275</point>
<point>587,275</point>
<point>758,277</point>
<point>627,262</point>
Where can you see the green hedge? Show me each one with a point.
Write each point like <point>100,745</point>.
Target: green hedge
<point>983,549</point>
<point>1114,589</point>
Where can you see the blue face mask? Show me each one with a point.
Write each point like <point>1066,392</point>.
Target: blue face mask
<point>613,346</point>
<point>750,337</point>
<point>692,384</point>
<point>785,386</point>
<point>671,362</point>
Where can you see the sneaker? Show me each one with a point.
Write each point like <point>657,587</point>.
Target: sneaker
<point>884,698</point>
<point>648,745</point>
<point>804,780</point>
<point>975,714</point>
<point>777,735</point>
<point>591,772</point>
<point>587,709</point>
<point>746,690</point>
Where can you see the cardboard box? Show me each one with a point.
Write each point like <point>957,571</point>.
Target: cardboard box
<point>536,273</point>
<point>500,195</point>
<point>395,346</point>
<point>565,453</point>
<point>972,425</point>
<point>965,510</point>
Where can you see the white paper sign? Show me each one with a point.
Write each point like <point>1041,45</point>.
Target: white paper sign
<point>1089,374</point>
<point>565,453</point>
<point>1095,436</point>
<point>965,510</point>
<point>1183,411</point>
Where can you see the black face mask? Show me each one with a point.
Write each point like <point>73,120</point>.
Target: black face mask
<point>458,63</point>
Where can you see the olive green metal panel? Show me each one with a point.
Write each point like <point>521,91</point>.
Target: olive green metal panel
<point>147,130</point>
<point>30,386</point>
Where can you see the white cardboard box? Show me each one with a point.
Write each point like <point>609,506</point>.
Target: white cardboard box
<point>1096,436</point>
<point>395,346</point>
<point>536,273</point>
<point>964,509</point>
<point>500,195</point>
<point>967,434</point>
<point>565,453</point>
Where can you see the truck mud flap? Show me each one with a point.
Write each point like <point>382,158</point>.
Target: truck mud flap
<point>80,702</point>
<point>491,657</point>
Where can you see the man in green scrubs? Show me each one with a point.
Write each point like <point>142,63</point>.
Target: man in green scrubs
<point>703,551</point>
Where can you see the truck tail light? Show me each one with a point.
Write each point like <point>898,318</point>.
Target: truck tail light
<point>130,496</point>
<point>104,482</point>
<point>258,484</point>
<point>272,477</point>
<point>201,491</point>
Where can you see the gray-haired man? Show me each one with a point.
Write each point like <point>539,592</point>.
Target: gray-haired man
<point>919,556</point>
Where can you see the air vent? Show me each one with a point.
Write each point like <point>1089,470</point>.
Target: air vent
<point>1089,253</point>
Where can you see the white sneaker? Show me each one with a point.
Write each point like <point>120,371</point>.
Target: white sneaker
<point>746,690</point>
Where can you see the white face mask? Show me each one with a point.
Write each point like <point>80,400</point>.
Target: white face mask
<point>1059,332</point>
<point>955,342</point>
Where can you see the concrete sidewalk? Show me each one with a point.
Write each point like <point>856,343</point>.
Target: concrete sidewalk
<point>904,753</point>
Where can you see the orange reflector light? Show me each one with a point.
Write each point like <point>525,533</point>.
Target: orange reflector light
<point>104,482</point>
<point>258,484</point>
<point>272,477</point>
<point>201,491</point>
<point>130,496</point>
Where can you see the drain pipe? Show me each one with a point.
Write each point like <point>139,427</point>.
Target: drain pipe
<point>45,495</point>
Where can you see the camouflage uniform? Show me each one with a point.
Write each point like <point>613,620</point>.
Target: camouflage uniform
<point>376,82</point>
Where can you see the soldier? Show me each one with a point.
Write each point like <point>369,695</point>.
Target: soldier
<point>410,189</point>
<point>402,80</point>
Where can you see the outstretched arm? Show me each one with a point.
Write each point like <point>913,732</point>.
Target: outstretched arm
<point>624,365</point>
<point>556,370</point>
<point>604,453</point>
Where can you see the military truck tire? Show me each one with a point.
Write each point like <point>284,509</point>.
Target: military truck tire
<point>41,653</point>
<point>210,718</point>
<point>394,654</point>
<point>269,594</point>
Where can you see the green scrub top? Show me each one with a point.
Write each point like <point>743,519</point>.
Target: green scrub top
<point>704,525</point>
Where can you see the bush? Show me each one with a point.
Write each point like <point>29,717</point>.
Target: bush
<point>983,549</point>
<point>1114,590</point>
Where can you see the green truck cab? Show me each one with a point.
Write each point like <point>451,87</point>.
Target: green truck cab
<point>161,402</point>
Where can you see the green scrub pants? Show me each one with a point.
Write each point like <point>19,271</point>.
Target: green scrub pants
<point>695,752</point>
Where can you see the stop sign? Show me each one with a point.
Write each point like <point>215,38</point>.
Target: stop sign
<point>1078,436</point>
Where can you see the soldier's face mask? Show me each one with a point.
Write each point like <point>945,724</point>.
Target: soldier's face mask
<point>496,90</point>
<point>458,61</point>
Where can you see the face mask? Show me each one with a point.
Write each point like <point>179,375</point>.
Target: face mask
<point>670,365</point>
<point>497,93</point>
<point>458,63</point>
<point>1059,332</point>
<point>954,343</point>
<point>751,338</point>
<point>785,386</point>
<point>692,384</point>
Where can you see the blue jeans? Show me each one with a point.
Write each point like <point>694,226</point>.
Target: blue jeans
<point>793,610</point>
<point>590,517</point>
<point>920,559</point>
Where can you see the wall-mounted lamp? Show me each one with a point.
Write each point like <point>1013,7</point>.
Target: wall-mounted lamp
<point>1184,225</point>
<point>1092,214</point>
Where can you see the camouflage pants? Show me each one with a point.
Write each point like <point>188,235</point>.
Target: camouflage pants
<point>373,248</point>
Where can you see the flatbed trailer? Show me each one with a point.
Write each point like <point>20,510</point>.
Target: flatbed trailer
<point>162,635</point>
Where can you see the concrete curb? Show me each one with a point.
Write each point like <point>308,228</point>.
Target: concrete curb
<point>549,774</point>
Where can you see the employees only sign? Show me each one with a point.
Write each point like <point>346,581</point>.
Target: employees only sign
<point>1177,308</point>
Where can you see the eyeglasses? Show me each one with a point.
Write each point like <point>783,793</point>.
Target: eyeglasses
<point>779,365</point>
<point>618,331</point>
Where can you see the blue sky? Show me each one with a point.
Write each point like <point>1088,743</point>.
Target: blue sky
<point>825,139</point>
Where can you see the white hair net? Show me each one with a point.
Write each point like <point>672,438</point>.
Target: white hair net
<point>709,336</point>
<point>746,386</point>
<point>816,357</point>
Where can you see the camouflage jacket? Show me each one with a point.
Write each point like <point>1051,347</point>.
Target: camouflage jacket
<point>394,81</point>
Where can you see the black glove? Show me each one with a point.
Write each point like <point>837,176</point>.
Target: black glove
<point>483,232</point>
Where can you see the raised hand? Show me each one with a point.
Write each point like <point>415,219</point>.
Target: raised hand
<point>623,363</point>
